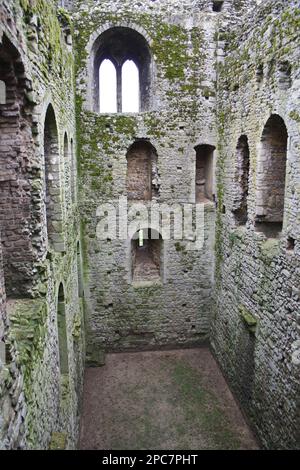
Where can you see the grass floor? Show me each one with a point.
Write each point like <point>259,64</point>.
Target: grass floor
<point>161,400</point>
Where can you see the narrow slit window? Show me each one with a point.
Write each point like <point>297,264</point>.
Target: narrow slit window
<point>2,92</point>
<point>62,332</point>
<point>240,208</point>
<point>130,88</point>
<point>108,87</point>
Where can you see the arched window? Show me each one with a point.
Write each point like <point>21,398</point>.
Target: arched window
<point>147,256</point>
<point>62,332</point>
<point>271,175</point>
<point>240,206</point>
<point>130,88</point>
<point>142,174</point>
<point>108,87</point>
<point>52,176</point>
<point>204,172</point>
<point>2,92</point>
<point>121,55</point>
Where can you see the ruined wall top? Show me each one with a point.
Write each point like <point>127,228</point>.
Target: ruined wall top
<point>164,6</point>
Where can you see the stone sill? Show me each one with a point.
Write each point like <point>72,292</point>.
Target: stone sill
<point>150,283</point>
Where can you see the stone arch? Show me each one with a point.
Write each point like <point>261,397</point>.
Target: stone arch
<point>52,177</point>
<point>242,162</point>
<point>62,332</point>
<point>271,176</point>
<point>17,210</point>
<point>119,44</point>
<point>147,255</point>
<point>142,180</point>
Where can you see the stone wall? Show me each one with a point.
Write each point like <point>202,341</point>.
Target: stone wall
<point>37,402</point>
<point>123,314</point>
<point>256,325</point>
<point>215,75</point>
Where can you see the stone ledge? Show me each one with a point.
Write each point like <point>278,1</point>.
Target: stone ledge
<point>248,319</point>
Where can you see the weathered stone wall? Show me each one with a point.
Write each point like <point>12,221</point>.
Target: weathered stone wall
<point>256,326</point>
<point>37,402</point>
<point>123,314</point>
<point>215,80</point>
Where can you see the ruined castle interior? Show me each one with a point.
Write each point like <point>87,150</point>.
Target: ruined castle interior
<point>148,341</point>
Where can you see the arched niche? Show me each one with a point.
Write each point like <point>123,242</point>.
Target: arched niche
<point>146,256</point>
<point>204,173</point>
<point>271,177</point>
<point>142,180</point>
<point>52,178</point>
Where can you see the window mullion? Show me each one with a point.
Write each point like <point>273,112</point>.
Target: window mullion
<point>119,89</point>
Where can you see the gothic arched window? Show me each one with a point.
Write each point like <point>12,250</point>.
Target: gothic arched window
<point>122,72</point>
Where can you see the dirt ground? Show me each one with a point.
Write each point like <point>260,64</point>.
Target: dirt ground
<point>161,400</point>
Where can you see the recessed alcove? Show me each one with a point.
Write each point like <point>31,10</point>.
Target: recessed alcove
<point>204,173</point>
<point>146,256</point>
<point>52,178</point>
<point>271,177</point>
<point>217,6</point>
<point>142,180</point>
